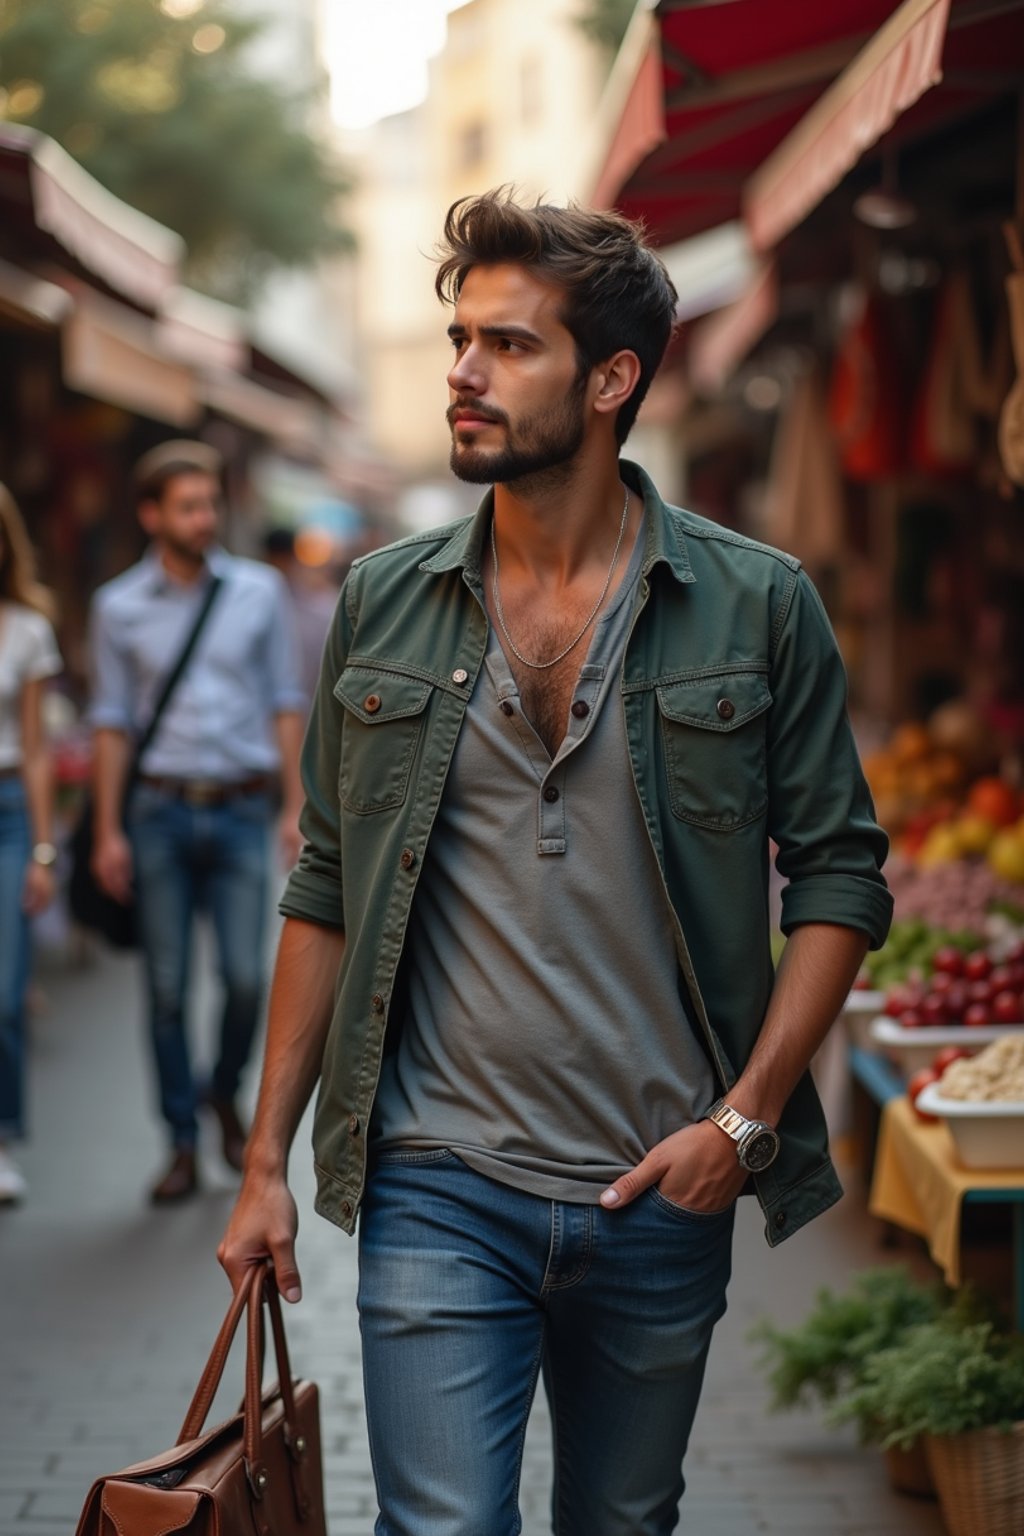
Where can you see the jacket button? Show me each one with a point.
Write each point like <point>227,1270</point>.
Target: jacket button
<point>407,859</point>
<point>726,708</point>
<point>377,1002</point>
<point>507,708</point>
<point>460,675</point>
<point>346,1208</point>
<point>371,703</point>
<point>581,709</point>
<point>780,1219</point>
<point>353,1125</point>
<point>550,794</point>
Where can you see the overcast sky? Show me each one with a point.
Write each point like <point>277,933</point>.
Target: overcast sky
<point>378,54</point>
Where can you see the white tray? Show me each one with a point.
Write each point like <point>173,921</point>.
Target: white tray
<point>911,1049</point>
<point>987,1135</point>
<point>860,1008</point>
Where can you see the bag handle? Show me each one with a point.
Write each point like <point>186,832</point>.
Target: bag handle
<point>258,1287</point>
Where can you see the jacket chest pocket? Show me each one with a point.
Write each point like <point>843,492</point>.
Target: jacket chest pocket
<point>384,717</point>
<point>713,733</point>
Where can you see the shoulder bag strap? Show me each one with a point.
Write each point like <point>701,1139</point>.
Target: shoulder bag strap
<point>173,677</point>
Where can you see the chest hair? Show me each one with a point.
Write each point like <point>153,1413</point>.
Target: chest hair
<point>546,696</point>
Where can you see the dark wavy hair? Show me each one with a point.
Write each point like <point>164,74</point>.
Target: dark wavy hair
<point>618,295</point>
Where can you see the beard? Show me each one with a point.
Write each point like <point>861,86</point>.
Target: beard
<point>540,449</point>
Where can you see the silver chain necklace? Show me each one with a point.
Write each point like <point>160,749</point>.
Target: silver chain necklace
<point>542,666</point>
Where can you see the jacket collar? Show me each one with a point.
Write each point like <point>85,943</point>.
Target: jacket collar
<point>663,533</point>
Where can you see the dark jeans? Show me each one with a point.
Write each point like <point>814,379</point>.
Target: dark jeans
<point>187,859</point>
<point>468,1289</point>
<point>14,956</point>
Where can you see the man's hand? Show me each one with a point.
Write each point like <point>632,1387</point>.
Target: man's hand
<point>112,866</point>
<point>696,1167</point>
<point>289,838</point>
<point>38,889</point>
<point>263,1224</point>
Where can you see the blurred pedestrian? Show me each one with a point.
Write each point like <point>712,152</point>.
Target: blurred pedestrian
<point>28,656</point>
<point>313,599</point>
<point>194,832</point>
<point>549,748</point>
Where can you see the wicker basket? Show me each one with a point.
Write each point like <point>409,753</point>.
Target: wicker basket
<point>980,1479</point>
<point>908,1471</point>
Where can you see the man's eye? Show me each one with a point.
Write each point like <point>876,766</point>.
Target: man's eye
<point>509,344</point>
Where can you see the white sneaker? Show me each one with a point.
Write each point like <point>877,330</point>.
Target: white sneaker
<point>12,1181</point>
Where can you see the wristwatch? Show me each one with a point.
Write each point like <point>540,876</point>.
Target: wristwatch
<point>44,854</point>
<point>757,1144</point>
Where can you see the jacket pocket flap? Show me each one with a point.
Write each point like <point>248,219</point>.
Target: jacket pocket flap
<point>376,696</point>
<point>135,1509</point>
<point>718,703</point>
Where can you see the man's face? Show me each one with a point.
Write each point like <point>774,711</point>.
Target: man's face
<point>517,395</point>
<point>184,520</point>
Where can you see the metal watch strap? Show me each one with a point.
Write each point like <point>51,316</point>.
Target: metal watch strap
<point>728,1119</point>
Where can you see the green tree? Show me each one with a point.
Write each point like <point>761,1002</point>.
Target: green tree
<point>157,100</point>
<point>605,21</point>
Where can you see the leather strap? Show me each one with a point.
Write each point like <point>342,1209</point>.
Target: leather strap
<point>173,677</point>
<point>258,1287</point>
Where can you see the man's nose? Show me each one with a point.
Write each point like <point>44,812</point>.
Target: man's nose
<point>466,373</point>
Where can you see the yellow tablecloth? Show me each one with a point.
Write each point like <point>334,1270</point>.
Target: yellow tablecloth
<point>919,1184</point>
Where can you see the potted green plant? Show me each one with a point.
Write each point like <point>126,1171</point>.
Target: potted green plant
<point>824,1358</point>
<point>957,1386</point>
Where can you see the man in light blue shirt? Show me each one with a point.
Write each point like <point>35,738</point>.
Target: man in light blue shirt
<point>194,833</point>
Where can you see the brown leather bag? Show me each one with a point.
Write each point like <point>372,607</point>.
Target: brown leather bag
<point>258,1473</point>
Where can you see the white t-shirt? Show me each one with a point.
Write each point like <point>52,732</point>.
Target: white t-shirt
<point>28,651</point>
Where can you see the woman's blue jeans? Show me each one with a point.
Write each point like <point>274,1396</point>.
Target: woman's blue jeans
<point>188,859</point>
<point>469,1289</point>
<point>15,953</point>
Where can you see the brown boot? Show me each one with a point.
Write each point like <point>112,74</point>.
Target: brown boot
<point>180,1179</point>
<point>232,1132</point>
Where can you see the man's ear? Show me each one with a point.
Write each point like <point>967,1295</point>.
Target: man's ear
<point>149,517</point>
<point>616,378</point>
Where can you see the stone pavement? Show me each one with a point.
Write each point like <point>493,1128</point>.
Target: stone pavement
<point>107,1310</point>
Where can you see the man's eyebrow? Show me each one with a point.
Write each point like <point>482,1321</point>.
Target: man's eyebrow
<point>517,332</point>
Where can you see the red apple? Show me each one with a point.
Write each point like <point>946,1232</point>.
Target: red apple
<point>1006,1008</point>
<point>977,965</point>
<point>940,983</point>
<point>948,960</point>
<point>980,992</point>
<point>976,1015</point>
<point>1000,979</point>
<point>957,999</point>
<point>933,1010</point>
<point>900,997</point>
<point>947,1056</point>
<point>910,1018</point>
<point>917,1084</point>
<point>1016,970</point>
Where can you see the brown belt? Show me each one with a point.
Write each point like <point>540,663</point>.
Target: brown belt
<point>206,792</point>
<point>10,773</point>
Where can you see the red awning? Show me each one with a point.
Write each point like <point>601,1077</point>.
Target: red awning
<point>738,76</point>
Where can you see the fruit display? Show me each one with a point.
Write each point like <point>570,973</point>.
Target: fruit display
<point>938,796</point>
<point>971,988</point>
<point>909,949</point>
<point>961,895</point>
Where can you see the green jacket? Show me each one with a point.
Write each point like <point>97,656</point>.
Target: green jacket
<point>735,702</point>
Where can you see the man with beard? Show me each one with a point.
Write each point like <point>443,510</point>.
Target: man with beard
<point>192,830</point>
<point>550,745</point>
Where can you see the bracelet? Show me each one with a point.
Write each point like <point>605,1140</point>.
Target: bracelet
<point>44,854</point>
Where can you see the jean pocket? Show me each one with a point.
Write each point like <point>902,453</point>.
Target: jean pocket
<point>683,1212</point>
<point>411,1157</point>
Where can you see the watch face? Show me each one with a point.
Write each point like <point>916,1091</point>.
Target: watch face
<point>760,1151</point>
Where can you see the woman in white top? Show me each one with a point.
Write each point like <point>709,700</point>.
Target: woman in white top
<point>28,655</point>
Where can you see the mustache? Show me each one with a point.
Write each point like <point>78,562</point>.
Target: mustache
<point>477,409</point>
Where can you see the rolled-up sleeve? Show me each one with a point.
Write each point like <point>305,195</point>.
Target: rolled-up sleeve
<point>830,847</point>
<point>314,888</point>
<point>112,683</point>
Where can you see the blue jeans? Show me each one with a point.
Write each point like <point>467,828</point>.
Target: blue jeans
<point>15,849</point>
<point>188,859</point>
<point>468,1289</point>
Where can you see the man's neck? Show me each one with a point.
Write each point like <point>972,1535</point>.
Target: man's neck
<point>555,531</point>
<point>184,569</point>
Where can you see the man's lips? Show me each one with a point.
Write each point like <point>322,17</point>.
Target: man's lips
<point>472,419</point>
